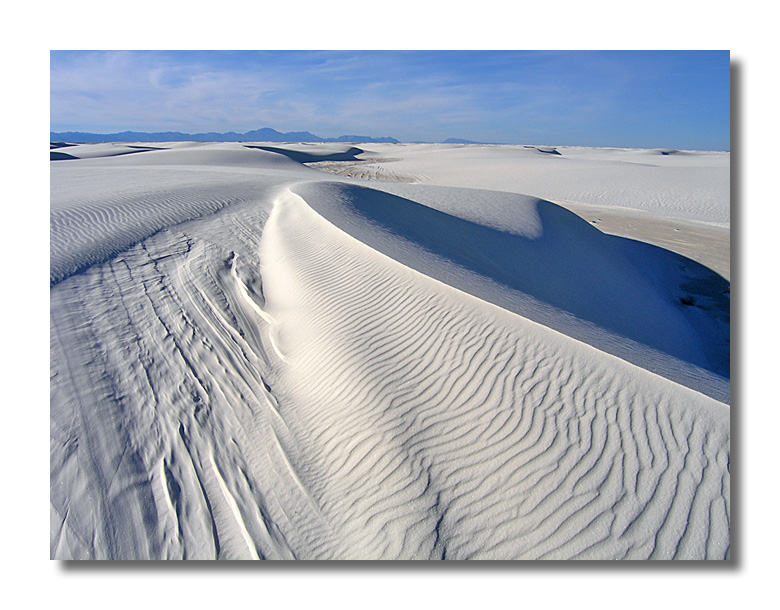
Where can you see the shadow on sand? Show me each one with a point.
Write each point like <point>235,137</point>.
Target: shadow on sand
<point>303,157</point>
<point>643,292</point>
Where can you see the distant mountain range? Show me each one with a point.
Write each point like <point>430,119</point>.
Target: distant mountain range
<point>266,134</point>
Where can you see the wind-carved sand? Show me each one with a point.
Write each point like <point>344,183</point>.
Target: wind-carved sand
<point>365,169</point>
<point>251,358</point>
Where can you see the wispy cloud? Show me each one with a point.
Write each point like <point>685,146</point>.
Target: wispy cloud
<point>157,91</point>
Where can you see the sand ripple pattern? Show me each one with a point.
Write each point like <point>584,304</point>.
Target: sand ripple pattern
<point>429,424</point>
<point>260,385</point>
<point>87,231</point>
<point>366,169</point>
<point>166,441</point>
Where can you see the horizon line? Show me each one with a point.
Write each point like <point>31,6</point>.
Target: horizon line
<point>464,141</point>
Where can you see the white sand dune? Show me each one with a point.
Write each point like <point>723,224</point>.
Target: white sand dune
<point>691,186</point>
<point>254,359</point>
<point>102,206</point>
<point>95,151</point>
<point>678,200</point>
<point>550,266</point>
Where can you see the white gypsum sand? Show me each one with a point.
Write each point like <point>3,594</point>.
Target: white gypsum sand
<point>252,358</point>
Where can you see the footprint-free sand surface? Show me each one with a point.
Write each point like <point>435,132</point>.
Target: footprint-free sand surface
<point>389,352</point>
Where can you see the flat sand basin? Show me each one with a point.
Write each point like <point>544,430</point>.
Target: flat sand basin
<point>706,244</point>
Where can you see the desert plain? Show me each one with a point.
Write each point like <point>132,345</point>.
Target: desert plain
<point>388,351</point>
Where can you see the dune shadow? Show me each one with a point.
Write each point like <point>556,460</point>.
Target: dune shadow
<point>146,148</point>
<point>643,292</point>
<point>702,295</point>
<point>59,156</point>
<point>304,157</point>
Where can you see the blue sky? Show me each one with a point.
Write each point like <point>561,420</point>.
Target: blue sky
<point>676,99</point>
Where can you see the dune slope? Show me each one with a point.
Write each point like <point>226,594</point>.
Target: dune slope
<point>560,270</point>
<point>434,425</point>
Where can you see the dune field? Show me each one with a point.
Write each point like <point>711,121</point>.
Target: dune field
<point>388,351</point>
